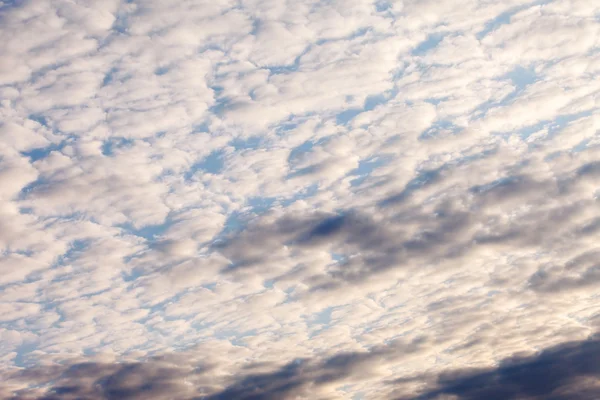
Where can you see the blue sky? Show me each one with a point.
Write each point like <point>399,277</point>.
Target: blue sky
<point>307,199</point>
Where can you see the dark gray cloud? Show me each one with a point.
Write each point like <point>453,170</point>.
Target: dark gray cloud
<point>579,272</point>
<point>303,377</point>
<point>436,218</point>
<point>375,244</point>
<point>157,378</point>
<point>175,376</point>
<point>569,371</point>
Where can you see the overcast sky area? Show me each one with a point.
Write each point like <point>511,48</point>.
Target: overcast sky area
<point>300,199</point>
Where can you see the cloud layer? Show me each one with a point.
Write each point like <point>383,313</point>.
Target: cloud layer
<point>307,199</point>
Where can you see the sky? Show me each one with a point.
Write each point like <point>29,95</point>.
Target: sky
<point>307,199</point>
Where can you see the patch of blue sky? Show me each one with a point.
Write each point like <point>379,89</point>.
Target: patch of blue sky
<point>234,223</point>
<point>344,117</point>
<point>9,3</point>
<point>527,131</point>
<point>269,283</point>
<point>286,127</point>
<point>26,210</point>
<point>296,155</point>
<point>202,127</point>
<point>440,128</point>
<point>319,321</point>
<point>282,69</point>
<point>553,126</point>
<point>217,90</point>
<point>260,205</point>
<point>26,253</point>
<point>287,68</point>
<point>497,22</point>
<point>322,317</point>
<point>428,44</point>
<point>375,100</point>
<point>521,77</point>
<point>148,232</point>
<point>366,167</point>
<point>505,18</point>
<point>423,178</point>
<point>75,247</point>
<point>22,352</point>
<point>43,152</point>
<point>121,23</point>
<point>238,220</point>
<point>338,257</point>
<point>130,276</point>
<point>213,163</point>
<point>256,26</point>
<point>110,145</point>
<point>583,145</point>
<point>161,70</point>
<point>298,151</point>
<point>109,77</point>
<point>40,119</point>
<point>400,71</point>
<point>382,6</point>
<point>562,121</point>
<point>247,143</point>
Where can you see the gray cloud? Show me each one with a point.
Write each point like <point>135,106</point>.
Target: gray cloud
<point>443,226</point>
<point>569,371</point>
<point>159,378</point>
<point>565,371</point>
<point>175,376</point>
<point>579,272</point>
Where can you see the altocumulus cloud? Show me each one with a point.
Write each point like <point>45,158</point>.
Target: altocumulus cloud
<point>327,200</point>
<point>566,371</point>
